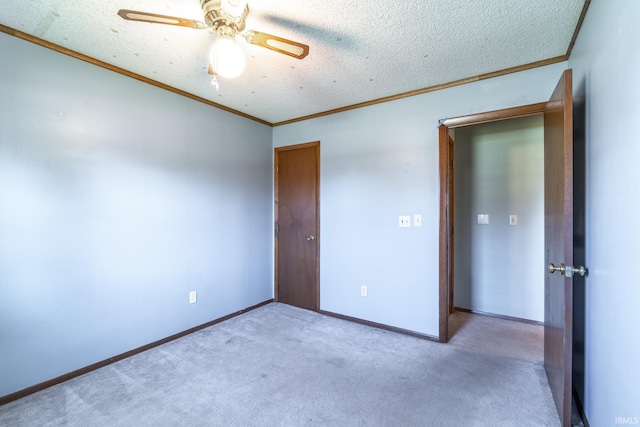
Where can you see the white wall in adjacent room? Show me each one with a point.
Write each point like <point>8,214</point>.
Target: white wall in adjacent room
<point>499,172</point>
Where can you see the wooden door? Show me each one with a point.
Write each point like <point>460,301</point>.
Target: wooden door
<point>296,216</point>
<point>558,235</point>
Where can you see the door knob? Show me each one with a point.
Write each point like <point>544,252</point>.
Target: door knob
<point>311,237</point>
<point>568,270</point>
<point>553,268</point>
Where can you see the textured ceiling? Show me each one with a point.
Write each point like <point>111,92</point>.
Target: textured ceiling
<point>359,51</point>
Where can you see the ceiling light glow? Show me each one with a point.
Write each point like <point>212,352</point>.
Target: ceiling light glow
<point>227,58</point>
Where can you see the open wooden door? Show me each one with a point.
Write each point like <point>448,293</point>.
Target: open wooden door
<point>558,234</point>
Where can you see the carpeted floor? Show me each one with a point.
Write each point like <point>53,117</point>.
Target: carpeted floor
<point>283,366</point>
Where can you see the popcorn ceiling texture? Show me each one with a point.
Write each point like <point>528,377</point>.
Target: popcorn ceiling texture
<point>359,51</point>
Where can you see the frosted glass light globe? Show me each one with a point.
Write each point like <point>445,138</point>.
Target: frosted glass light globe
<point>227,58</point>
<point>234,7</point>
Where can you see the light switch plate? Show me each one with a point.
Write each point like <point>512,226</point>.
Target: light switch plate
<point>513,219</point>
<point>417,220</point>
<point>404,221</point>
<point>483,218</point>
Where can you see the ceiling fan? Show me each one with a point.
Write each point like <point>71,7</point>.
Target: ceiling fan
<point>227,18</point>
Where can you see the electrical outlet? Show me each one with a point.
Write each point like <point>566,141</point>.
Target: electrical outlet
<point>192,297</point>
<point>364,291</point>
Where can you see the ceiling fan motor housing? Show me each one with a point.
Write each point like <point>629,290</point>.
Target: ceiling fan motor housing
<point>215,15</point>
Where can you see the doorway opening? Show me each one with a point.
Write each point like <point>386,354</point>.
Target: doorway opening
<point>447,213</point>
<point>497,211</point>
<point>559,233</point>
<point>480,246</point>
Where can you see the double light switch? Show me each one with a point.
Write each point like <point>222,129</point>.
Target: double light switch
<point>405,220</point>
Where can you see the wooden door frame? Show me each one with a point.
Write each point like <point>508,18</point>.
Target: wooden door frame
<point>446,221</point>
<point>452,214</point>
<point>276,196</point>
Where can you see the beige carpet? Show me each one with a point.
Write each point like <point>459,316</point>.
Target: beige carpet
<point>283,366</point>
<point>497,337</point>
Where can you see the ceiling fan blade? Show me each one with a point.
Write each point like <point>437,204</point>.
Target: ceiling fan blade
<point>277,44</point>
<point>154,18</point>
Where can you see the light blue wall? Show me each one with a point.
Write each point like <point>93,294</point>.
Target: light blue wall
<point>499,171</point>
<point>606,60</point>
<point>117,199</point>
<point>380,162</point>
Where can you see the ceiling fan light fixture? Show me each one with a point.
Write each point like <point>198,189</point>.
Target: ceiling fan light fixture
<point>228,19</point>
<point>227,58</point>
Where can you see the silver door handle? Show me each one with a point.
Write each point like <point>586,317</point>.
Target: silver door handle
<point>553,268</point>
<point>311,237</point>
<point>568,270</point>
